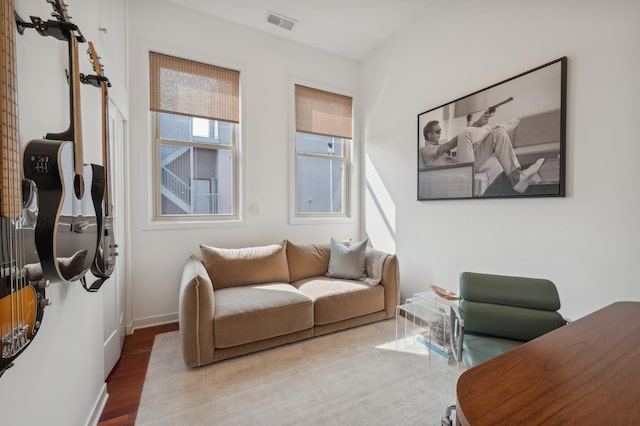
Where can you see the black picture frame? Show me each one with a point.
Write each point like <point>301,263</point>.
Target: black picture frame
<point>538,97</point>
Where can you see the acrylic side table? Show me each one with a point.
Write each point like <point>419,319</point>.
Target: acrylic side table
<point>423,322</point>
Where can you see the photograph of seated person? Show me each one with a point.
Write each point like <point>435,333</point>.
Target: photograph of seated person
<point>476,144</point>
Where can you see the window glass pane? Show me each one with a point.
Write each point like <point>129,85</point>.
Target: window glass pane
<point>194,129</point>
<point>195,180</point>
<point>319,185</point>
<point>200,127</point>
<point>224,133</point>
<point>176,127</point>
<point>316,144</point>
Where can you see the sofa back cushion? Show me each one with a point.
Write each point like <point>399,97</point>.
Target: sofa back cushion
<point>307,260</point>
<point>245,266</point>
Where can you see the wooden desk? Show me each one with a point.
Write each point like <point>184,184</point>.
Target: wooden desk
<point>584,373</point>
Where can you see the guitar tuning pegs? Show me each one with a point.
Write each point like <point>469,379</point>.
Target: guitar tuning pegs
<point>45,302</point>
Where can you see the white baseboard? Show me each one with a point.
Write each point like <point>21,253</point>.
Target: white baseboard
<point>98,407</point>
<point>152,321</point>
<point>128,328</point>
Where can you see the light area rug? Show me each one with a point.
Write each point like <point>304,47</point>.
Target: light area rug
<point>353,377</point>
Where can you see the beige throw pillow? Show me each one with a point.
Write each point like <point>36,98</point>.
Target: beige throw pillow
<point>347,262</point>
<point>245,266</point>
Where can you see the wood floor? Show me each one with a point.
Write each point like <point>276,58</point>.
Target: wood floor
<point>124,384</point>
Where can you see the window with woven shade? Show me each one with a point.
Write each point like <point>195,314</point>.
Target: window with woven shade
<point>196,114</point>
<point>324,132</point>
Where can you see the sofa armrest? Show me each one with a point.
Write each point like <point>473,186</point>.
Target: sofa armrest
<point>196,310</point>
<point>391,283</point>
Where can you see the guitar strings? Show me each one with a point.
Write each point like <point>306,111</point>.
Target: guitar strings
<point>9,122</point>
<point>7,235</point>
<point>19,233</point>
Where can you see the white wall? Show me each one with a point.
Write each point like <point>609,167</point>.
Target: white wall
<point>58,379</point>
<point>268,65</point>
<point>588,243</point>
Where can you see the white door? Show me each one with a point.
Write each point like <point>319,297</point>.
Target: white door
<point>113,289</point>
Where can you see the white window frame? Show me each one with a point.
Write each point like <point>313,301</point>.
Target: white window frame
<point>350,165</point>
<point>157,196</point>
<point>158,222</point>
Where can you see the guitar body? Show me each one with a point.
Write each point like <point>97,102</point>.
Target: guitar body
<point>104,261</point>
<point>105,253</point>
<point>22,295</point>
<point>66,234</point>
<point>17,333</point>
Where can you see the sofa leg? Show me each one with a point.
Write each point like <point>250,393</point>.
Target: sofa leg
<point>446,419</point>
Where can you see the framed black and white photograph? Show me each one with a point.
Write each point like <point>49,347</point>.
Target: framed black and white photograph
<point>507,140</point>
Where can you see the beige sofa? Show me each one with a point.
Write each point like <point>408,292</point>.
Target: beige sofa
<point>238,301</point>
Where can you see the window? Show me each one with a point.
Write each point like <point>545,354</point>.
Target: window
<point>322,146</point>
<point>196,113</point>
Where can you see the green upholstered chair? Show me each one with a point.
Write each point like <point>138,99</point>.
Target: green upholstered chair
<point>497,313</point>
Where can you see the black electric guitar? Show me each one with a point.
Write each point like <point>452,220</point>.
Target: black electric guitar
<point>106,253</point>
<point>22,294</point>
<point>67,229</point>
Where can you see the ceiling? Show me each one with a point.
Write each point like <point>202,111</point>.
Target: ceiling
<point>349,28</point>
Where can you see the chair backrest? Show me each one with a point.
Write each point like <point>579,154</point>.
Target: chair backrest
<point>509,307</point>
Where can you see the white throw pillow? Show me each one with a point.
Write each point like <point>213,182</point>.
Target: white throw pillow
<point>347,262</point>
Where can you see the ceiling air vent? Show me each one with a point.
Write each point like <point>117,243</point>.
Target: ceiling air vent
<point>281,21</point>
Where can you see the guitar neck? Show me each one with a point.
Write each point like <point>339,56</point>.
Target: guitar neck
<point>105,148</point>
<point>76,119</point>
<point>104,89</point>
<point>10,182</point>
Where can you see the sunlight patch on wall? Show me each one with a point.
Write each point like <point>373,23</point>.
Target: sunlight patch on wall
<point>380,211</point>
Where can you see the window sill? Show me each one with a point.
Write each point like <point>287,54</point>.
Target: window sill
<point>314,220</point>
<point>172,224</point>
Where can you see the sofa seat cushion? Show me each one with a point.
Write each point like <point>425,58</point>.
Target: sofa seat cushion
<point>336,299</point>
<point>256,312</point>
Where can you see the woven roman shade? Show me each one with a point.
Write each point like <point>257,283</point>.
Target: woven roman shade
<point>180,86</point>
<point>323,113</point>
